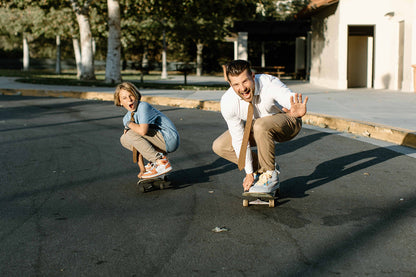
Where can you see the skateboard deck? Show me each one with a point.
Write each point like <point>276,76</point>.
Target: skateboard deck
<point>160,182</point>
<point>259,199</point>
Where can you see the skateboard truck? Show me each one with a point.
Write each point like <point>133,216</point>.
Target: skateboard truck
<point>160,182</point>
<point>259,199</point>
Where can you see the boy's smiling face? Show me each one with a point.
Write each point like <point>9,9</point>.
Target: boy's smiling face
<point>128,101</point>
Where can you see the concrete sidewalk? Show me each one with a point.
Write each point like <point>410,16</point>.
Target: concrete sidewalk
<point>381,114</point>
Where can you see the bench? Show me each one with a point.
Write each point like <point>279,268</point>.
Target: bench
<point>271,70</point>
<point>185,68</point>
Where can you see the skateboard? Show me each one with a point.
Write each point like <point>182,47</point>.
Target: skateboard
<point>259,199</point>
<point>160,182</point>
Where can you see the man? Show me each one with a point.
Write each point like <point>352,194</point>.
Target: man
<point>277,113</point>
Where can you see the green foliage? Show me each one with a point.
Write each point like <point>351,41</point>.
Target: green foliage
<point>278,9</point>
<point>143,22</point>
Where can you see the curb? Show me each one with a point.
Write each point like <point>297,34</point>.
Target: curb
<point>394,135</point>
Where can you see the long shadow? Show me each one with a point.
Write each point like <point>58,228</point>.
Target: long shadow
<point>55,102</point>
<point>334,169</point>
<point>298,143</point>
<point>199,174</point>
<point>326,172</point>
<point>167,109</point>
<point>54,106</point>
<point>202,173</point>
<point>58,124</point>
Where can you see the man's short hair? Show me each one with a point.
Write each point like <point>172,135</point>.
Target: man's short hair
<point>236,67</point>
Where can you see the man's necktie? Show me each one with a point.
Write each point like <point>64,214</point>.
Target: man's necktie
<point>247,129</point>
<point>132,117</point>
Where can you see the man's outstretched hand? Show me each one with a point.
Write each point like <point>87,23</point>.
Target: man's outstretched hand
<point>297,107</point>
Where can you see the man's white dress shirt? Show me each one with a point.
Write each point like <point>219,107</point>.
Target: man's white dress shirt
<point>270,96</point>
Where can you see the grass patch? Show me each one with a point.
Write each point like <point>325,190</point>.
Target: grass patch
<point>69,78</point>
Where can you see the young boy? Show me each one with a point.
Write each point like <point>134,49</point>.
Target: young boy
<point>146,130</point>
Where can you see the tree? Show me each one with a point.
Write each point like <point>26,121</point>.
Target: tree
<point>161,18</point>
<point>207,23</point>
<point>279,9</point>
<point>19,23</point>
<point>151,30</point>
<point>57,24</point>
<point>87,56</point>
<point>147,29</point>
<point>112,69</point>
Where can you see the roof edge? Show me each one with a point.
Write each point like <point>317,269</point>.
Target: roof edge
<point>314,6</point>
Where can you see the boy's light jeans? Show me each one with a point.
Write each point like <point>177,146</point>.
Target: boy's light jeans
<point>149,145</point>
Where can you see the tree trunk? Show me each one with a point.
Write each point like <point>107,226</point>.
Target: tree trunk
<point>94,46</point>
<point>145,59</point>
<point>112,69</point>
<point>77,52</point>
<point>199,48</point>
<point>25,54</point>
<point>87,56</point>
<point>164,63</point>
<point>58,55</point>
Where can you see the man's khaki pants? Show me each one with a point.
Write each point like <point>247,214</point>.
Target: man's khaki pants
<point>266,130</point>
<point>149,145</point>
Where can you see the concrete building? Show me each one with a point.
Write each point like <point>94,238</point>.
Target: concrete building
<point>362,43</point>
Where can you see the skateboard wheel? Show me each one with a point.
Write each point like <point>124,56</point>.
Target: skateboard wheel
<point>141,188</point>
<point>245,203</point>
<point>271,203</point>
<point>161,186</point>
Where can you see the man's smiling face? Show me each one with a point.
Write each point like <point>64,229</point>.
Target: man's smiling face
<point>243,85</point>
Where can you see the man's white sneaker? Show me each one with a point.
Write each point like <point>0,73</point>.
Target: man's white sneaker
<point>268,182</point>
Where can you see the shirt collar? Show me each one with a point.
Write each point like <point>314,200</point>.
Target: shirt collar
<point>256,85</point>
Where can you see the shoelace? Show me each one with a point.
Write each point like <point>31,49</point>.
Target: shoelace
<point>264,178</point>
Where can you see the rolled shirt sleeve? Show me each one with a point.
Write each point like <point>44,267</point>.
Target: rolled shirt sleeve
<point>230,110</point>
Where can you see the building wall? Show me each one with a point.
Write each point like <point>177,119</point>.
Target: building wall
<point>324,48</point>
<point>330,42</point>
<point>408,14</point>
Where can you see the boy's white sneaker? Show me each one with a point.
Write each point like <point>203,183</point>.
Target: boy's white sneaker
<point>148,166</point>
<point>158,169</point>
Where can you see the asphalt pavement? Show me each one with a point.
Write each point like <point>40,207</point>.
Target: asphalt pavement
<point>384,115</point>
<point>69,204</point>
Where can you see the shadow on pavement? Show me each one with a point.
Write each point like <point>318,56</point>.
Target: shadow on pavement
<point>331,170</point>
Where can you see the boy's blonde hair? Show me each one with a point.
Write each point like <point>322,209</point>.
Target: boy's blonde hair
<point>130,88</point>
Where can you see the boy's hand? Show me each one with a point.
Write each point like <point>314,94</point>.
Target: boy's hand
<point>140,129</point>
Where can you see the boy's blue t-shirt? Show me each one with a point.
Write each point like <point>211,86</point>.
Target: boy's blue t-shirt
<point>147,114</point>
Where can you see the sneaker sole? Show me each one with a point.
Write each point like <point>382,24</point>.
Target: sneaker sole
<point>158,174</point>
